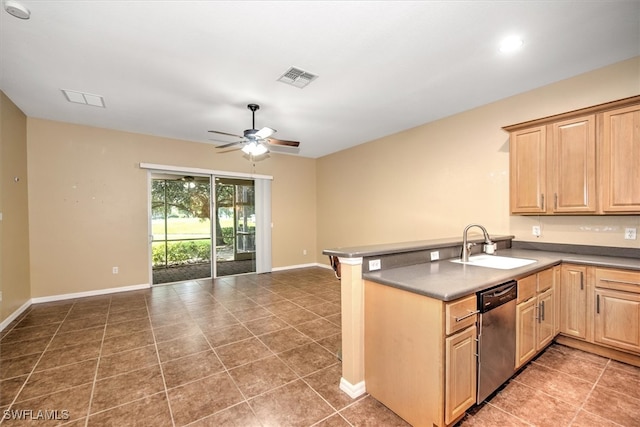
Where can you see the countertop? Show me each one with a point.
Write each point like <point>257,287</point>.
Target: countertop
<point>447,281</point>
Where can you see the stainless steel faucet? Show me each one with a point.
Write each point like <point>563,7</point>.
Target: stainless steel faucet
<point>466,247</point>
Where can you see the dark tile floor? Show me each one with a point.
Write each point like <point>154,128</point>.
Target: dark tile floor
<point>564,387</point>
<point>252,350</point>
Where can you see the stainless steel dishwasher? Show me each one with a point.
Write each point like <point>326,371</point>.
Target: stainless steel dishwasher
<point>496,337</point>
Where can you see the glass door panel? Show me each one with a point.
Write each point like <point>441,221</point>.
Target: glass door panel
<point>235,226</point>
<point>181,228</point>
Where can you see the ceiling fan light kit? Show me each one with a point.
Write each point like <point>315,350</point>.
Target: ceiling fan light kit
<point>256,142</point>
<point>254,149</point>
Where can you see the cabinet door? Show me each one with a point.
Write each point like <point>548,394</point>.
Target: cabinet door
<point>573,298</point>
<point>525,331</point>
<point>546,315</point>
<point>620,161</point>
<point>556,299</point>
<point>528,170</point>
<point>617,319</point>
<point>460,373</point>
<point>573,158</point>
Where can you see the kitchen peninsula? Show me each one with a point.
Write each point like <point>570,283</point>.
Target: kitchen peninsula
<point>409,327</point>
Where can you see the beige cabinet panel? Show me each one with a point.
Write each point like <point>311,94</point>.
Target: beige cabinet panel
<point>460,373</point>
<point>546,314</point>
<point>573,298</point>
<point>528,170</point>
<point>535,315</point>
<point>573,163</point>
<point>617,319</point>
<point>412,365</point>
<point>525,331</point>
<point>620,160</point>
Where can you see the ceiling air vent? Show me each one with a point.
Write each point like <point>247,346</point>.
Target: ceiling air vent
<point>297,77</point>
<point>83,98</point>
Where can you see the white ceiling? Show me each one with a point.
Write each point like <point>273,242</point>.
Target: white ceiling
<point>180,68</point>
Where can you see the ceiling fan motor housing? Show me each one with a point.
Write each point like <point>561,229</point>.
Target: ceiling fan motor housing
<point>250,134</point>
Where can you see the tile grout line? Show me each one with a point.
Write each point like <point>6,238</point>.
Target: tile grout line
<point>13,402</point>
<point>95,375</point>
<point>593,387</point>
<point>155,345</point>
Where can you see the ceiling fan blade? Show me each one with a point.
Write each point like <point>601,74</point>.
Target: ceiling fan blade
<point>225,133</point>
<point>274,141</point>
<point>229,151</point>
<point>231,144</point>
<point>265,132</point>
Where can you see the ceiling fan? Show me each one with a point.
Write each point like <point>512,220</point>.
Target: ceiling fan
<point>255,142</point>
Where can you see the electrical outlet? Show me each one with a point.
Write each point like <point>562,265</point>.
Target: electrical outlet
<point>630,234</point>
<point>435,255</point>
<point>374,264</point>
<point>115,270</point>
<point>535,230</point>
<point>304,252</point>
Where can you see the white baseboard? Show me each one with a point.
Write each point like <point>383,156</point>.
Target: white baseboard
<point>13,316</point>
<point>62,297</point>
<point>293,267</point>
<point>353,390</point>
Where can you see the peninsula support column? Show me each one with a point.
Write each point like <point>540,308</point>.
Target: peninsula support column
<point>352,291</point>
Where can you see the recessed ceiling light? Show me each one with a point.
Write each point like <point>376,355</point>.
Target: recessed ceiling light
<point>16,9</point>
<point>83,98</point>
<point>511,44</point>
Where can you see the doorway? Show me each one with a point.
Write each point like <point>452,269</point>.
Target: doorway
<point>235,225</point>
<point>180,227</point>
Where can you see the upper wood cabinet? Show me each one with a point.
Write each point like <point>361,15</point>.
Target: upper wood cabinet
<point>620,164</point>
<point>582,162</point>
<point>528,168</point>
<point>553,168</point>
<point>573,162</point>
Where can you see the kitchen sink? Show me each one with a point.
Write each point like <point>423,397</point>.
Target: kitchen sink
<point>495,261</point>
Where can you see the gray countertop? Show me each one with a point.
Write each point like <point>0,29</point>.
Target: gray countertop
<point>392,248</point>
<point>446,280</point>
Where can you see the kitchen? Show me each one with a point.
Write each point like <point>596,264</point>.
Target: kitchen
<point>450,172</point>
<point>385,317</point>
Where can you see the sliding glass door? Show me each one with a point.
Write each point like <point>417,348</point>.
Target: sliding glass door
<point>181,228</point>
<point>235,226</point>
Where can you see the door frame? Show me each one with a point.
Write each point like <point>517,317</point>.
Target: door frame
<point>262,185</point>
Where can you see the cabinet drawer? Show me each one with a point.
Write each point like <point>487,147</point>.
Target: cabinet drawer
<point>620,280</point>
<point>545,280</point>
<point>460,314</point>
<point>527,288</point>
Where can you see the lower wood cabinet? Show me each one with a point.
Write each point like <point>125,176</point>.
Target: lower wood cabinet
<point>460,373</point>
<point>573,298</point>
<point>617,310</point>
<point>420,354</point>
<point>535,315</point>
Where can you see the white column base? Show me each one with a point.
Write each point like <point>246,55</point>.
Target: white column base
<point>353,390</point>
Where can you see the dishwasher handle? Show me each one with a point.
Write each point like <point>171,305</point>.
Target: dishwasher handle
<point>503,292</point>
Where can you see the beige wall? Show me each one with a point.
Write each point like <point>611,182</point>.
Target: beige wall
<point>88,200</point>
<point>432,180</point>
<point>14,228</point>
